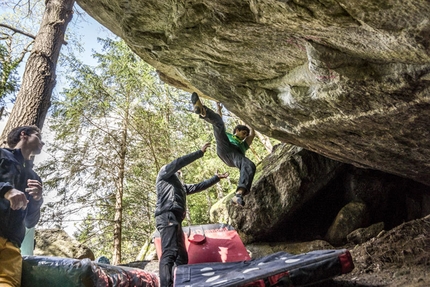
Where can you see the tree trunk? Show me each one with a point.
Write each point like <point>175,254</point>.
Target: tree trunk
<point>34,98</point>
<point>117,232</point>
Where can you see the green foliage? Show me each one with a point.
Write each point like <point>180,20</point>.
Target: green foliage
<point>15,43</point>
<point>115,119</point>
<point>8,74</point>
<point>96,142</point>
<point>115,126</point>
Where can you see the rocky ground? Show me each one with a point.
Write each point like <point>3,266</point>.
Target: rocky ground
<point>399,257</point>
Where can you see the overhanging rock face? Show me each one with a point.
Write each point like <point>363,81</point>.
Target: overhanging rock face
<point>346,79</point>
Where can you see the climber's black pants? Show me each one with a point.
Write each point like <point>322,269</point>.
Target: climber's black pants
<point>229,153</point>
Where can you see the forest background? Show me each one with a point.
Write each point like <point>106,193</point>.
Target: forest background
<point>111,126</point>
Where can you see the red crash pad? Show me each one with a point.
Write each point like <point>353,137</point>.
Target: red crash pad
<point>210,243</point>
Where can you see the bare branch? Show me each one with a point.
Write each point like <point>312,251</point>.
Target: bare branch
<point>17,30</point>
<point>24,51</point>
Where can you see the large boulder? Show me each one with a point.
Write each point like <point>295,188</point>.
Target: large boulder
<point>285,181</point>
<point>349,80</point>
<point>352,216</point>
<point>298,195</point>
<point>57,243</point>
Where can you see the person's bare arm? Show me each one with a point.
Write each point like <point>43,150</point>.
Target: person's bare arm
<point>251,136</point>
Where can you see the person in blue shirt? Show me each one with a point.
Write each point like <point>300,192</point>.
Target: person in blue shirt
<point>20,198</point>
<point>231,148</point>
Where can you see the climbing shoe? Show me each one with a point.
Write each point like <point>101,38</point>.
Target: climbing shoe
<point>237,200</point>
<point>197,105</point>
